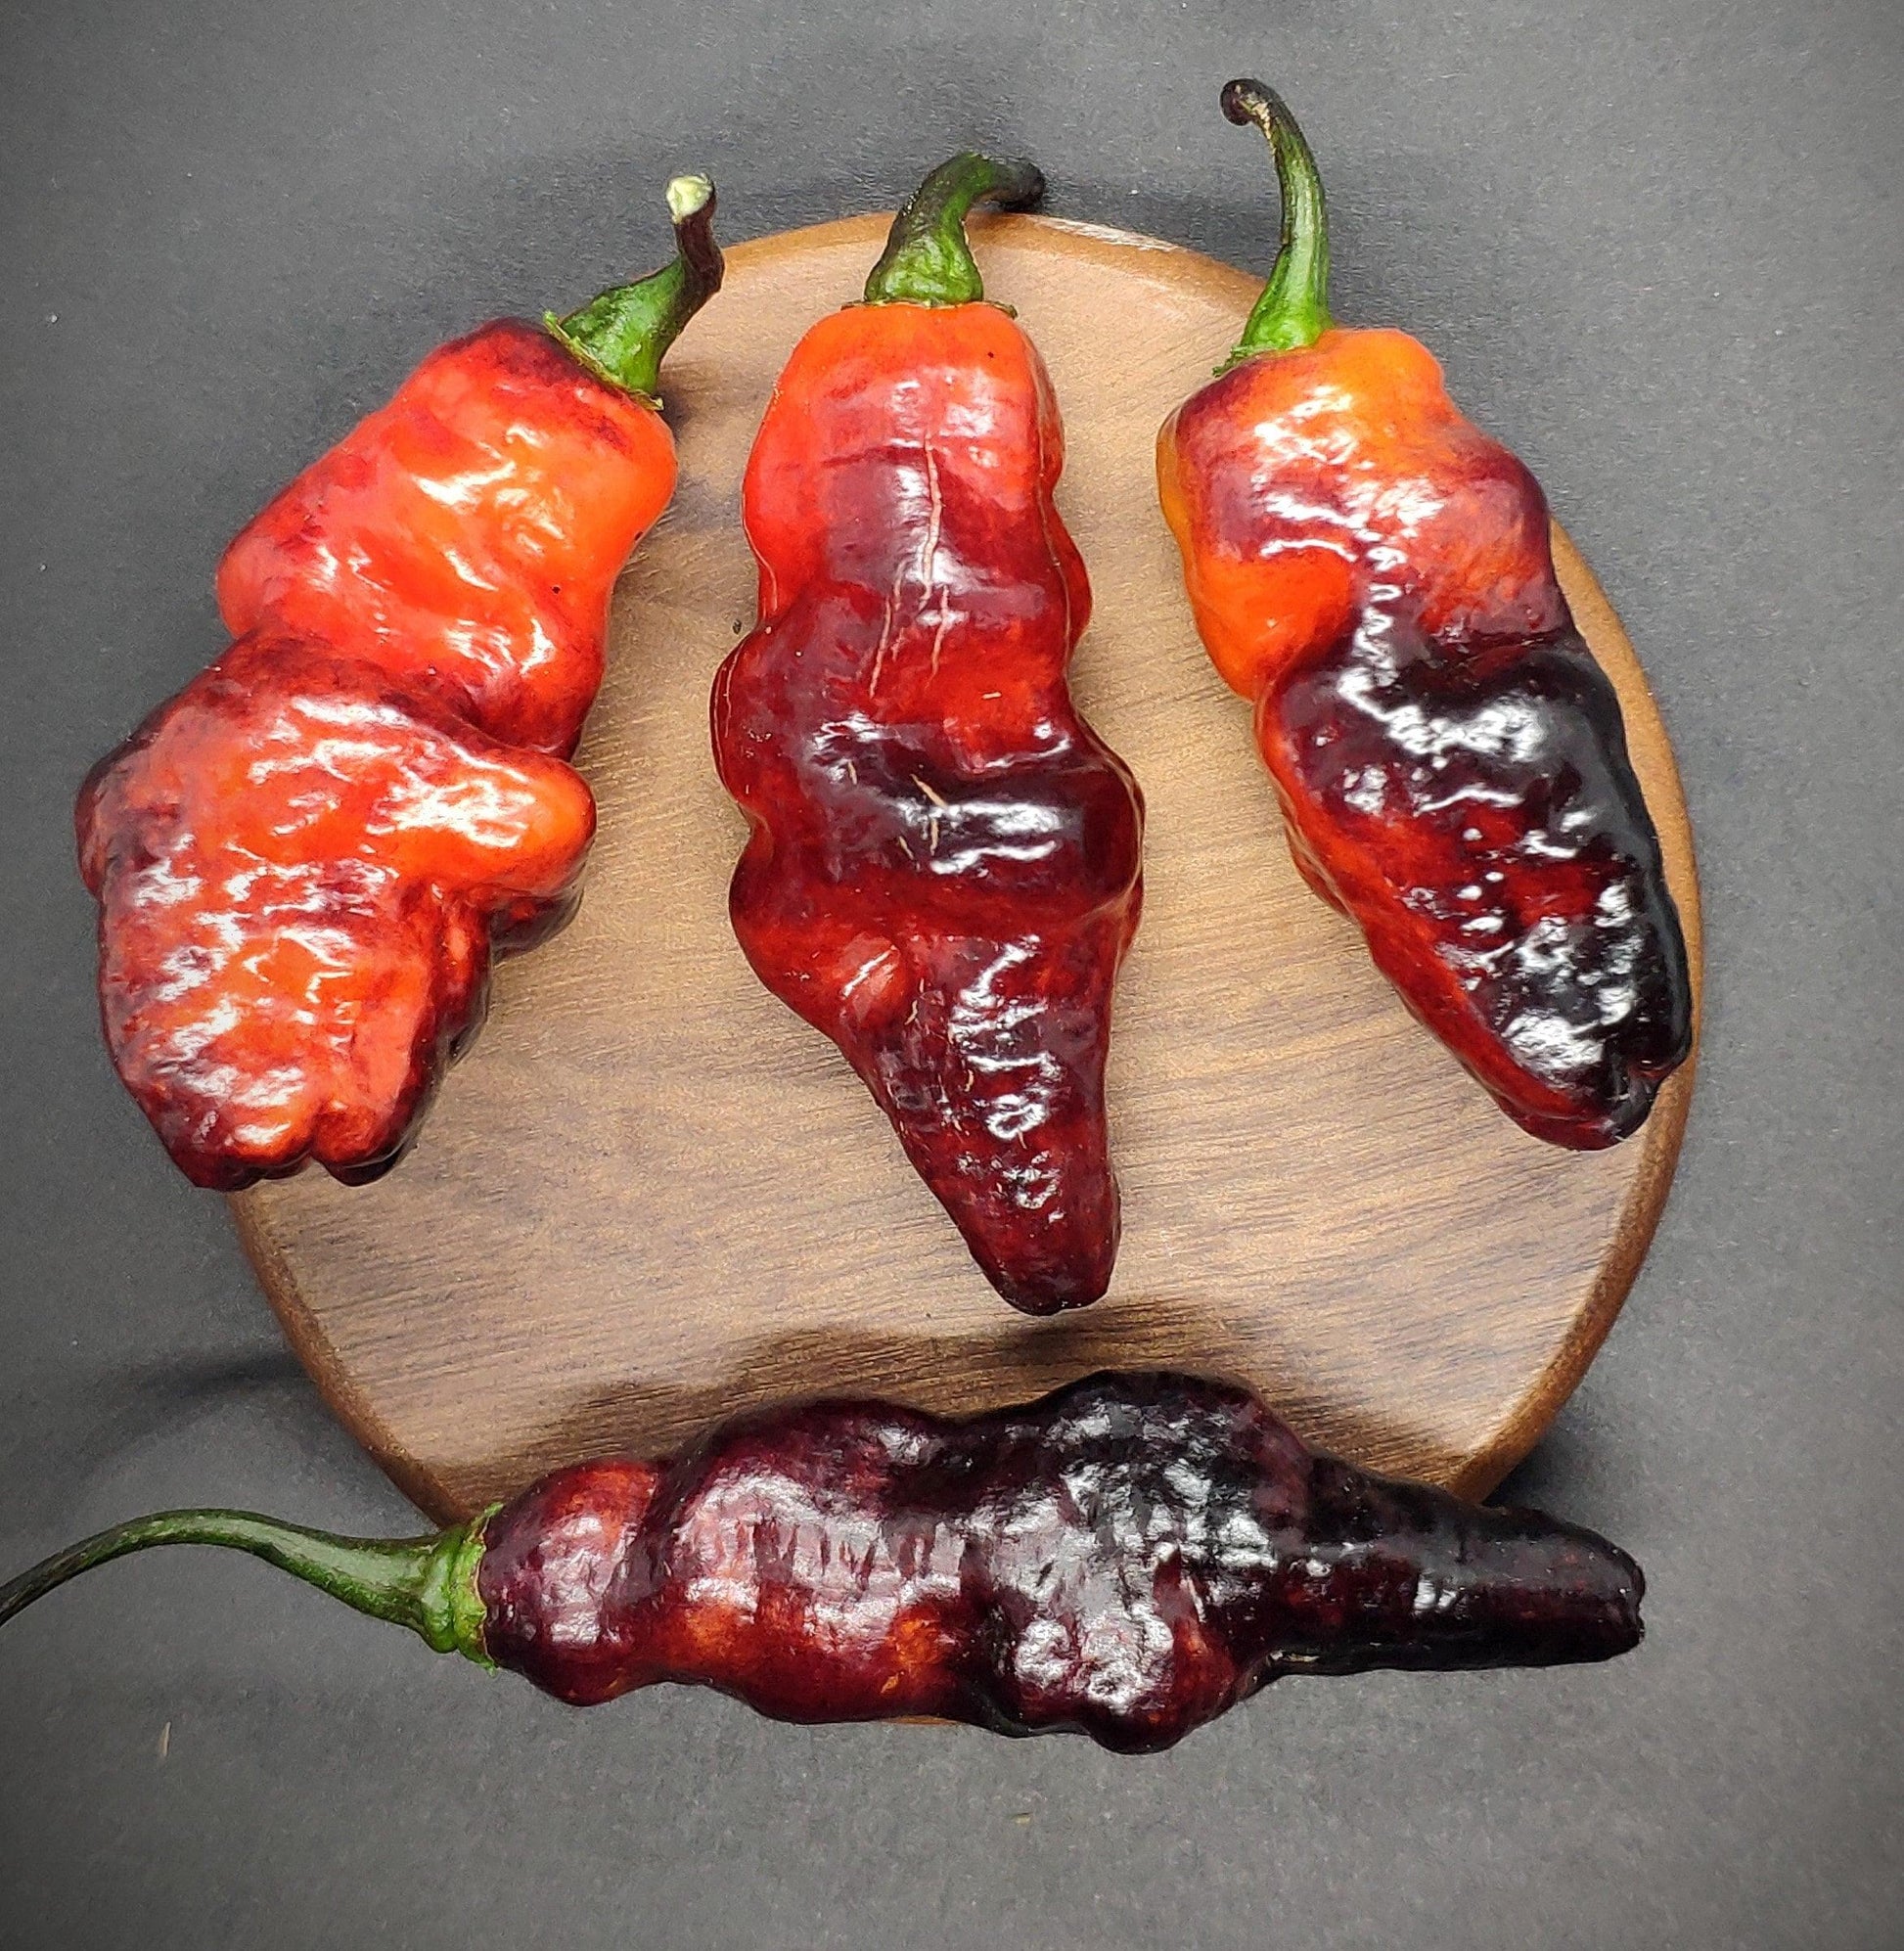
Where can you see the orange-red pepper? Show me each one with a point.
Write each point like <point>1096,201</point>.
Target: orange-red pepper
<point>305,858</point>
<point>944,869</point>
<point>1377,577</point>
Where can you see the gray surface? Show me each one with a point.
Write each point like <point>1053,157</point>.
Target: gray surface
<point>1658,246</point>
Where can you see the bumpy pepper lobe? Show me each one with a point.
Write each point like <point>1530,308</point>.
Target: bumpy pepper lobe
<point>299,866</point>
<point>467,535</point>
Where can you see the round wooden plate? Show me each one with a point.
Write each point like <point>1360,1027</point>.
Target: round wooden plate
<point>651,1195</point>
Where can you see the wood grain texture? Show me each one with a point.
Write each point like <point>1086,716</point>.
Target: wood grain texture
<point>651,1195</point>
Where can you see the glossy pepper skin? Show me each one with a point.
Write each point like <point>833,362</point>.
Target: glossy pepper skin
<point>943,871</point>
<point>1377,577</point>
<point>1127,1558</point>
<point>304,860</point>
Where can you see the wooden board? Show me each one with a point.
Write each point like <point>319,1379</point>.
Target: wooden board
<point>652,1195</point>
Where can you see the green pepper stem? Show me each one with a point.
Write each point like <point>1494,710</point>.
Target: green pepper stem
<point>624,333</point>
<point>928,260</point>
<point>1293,309</point>
<point>427,1584</point>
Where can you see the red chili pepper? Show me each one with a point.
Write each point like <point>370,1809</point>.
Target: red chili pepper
<point>1125,1559</point>
<point>304,860</point>
<point>944,868</point>
<point>1377,577</point>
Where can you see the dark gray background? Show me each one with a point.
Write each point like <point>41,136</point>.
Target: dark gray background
<point>1658,248</point>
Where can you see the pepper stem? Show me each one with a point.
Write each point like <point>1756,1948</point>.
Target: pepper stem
<point>427,1584</point>
<point>623,334</point>
<point>928,260</point>
<point>1293,309</point>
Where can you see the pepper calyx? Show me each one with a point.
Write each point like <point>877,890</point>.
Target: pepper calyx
<point>451,1612</point>
<point>928,258</point>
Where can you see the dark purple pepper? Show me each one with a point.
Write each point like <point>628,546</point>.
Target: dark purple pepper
<point>1126,1558</point>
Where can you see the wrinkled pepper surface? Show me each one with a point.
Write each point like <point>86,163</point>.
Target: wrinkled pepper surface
<point>944,866</point>
<point>1126,1558</point>
<point>1377,577</point>
<point>304,860</point>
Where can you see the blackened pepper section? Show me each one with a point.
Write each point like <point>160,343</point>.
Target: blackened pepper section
<point>1483,812</point>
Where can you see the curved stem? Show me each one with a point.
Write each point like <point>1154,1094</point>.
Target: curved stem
<point>1293,309</point>
<point>928,260</point>
<point>624,333</point>
<point>426,1584</point>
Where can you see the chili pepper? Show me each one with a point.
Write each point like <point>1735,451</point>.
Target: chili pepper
<point>943,871</point>
<point>1377,577</point>
<point>304,860</point>
<point>1127,1558</point>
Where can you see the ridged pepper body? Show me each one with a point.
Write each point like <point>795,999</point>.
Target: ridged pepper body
<point>467,537</point>
<point>1375,576</point>
<point>304,858</point>
<point>944,865</point>
<point>1126,1558</point>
